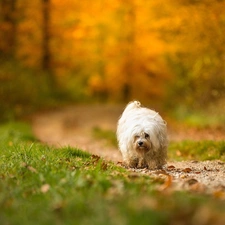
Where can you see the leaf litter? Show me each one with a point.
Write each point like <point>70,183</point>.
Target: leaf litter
<point>206,177</point>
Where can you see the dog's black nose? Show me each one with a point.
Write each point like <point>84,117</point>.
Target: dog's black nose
<point>140,143</point>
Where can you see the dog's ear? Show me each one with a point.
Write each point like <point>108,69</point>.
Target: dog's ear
<point>163,141</point>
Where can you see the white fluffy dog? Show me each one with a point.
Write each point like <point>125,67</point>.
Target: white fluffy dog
<point>142,137</point>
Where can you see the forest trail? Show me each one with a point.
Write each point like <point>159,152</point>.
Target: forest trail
<point>74,125</point>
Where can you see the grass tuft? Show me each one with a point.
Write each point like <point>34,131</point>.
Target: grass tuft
<point>75,152</point>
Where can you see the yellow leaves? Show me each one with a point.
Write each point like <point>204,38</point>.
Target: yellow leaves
<point>96,84</point>
<point>79,33</point>
<point>137,33</point>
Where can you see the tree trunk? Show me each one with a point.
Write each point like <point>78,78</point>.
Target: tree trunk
<point>129,63</point>
<point>8,27</point>
<point>46,54</point>
<point>46,49</point>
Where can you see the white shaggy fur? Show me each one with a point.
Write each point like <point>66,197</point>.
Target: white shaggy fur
<point>142,137</point>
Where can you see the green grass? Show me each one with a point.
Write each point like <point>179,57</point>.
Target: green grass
<point>197,150</point>
<point>199,118</point>
<point>108,135</point>
<point>46,185</point>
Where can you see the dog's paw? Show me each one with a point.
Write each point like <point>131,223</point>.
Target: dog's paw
<point>132,163</point>
<point>142,164</point>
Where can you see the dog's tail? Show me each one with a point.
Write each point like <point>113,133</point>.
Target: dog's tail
<point>133,105</point>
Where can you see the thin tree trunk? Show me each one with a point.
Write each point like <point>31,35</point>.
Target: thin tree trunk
<point>8,28</point>
<point>46,57</point>
<point>129,63</point>
<point>46,49</point>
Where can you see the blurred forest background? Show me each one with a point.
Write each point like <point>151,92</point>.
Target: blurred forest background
<point>166,52</point>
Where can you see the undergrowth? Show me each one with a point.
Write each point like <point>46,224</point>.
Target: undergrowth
<point>24,90</point>
<point>108,135</point>
<point>197,150</point>
<point>209,117</point>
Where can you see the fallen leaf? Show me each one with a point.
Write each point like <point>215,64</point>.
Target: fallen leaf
<point>95,157</point>
<point>32,169</point>
<point>166,184</point>
<point>171,167</point>
<point>120,163</point>
<point>161,172</point>
<point>59,206</point>
<point>193,185</point>
<point>198,187</point>
<point>187,170</point>
<point>45,188</point>
<point>183,176</point>
<point>191,181</point>
<point>104,166</point>
<point>133,175</point>
<point>219,194</point>
<point>23,164</point>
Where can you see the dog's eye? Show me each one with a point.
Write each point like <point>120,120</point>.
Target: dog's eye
<point>146,136</point>
<point>136,137</point>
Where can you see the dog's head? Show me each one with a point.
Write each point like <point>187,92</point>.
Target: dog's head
<point>142,143</point>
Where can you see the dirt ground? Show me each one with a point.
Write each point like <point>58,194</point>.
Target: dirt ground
<point>74,126</point>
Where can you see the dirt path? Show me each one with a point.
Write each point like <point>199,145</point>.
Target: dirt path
<point>74,126</point>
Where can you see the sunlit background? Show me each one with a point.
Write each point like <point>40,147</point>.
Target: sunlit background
<point>165,53</point>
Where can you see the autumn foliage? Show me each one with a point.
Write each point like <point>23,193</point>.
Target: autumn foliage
<point>117,50</point>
